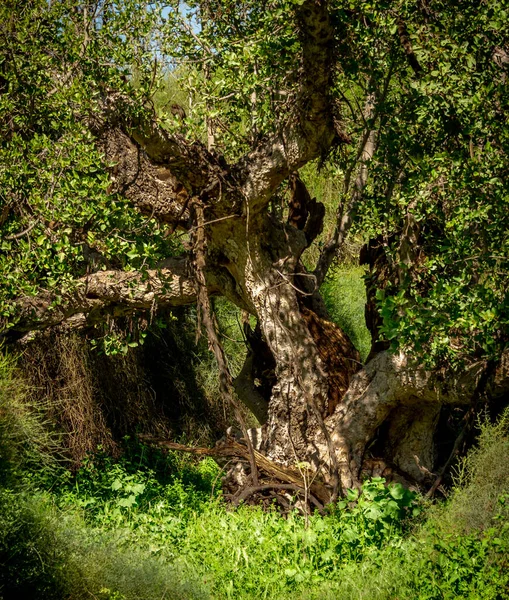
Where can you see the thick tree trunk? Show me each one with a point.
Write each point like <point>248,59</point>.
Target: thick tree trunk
<point>404,398</point>
<point>322,410</point>
<point>324,419</point>
<point>308,352</point>
<point>264,267</point>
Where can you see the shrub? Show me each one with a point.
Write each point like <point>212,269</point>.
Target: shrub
<point>460,551</point>
<point>482,477</point>
<point>180,518</point>
<point>49,554</point>
<point>152,525</point>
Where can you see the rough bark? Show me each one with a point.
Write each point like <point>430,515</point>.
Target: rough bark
<point>163,174</point>
<point>152,188</point>
<point>309,130</point>
<point>392,390</point>
<point>111,294</point>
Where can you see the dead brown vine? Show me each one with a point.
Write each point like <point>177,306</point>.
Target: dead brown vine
<point>207,318</point>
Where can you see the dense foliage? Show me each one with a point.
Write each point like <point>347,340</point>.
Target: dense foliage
<point>59,220</point>
<point>429,81</point>
<point>439,111</point>
<point>426,84</point>
<point>438,197</point>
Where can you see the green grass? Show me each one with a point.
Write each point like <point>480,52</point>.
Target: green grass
<point>241,552</point>
<point>344,294</point>
<point>136,532</point>
<point>482,478</point>
<point>48,553</point>
<point>27,443</point>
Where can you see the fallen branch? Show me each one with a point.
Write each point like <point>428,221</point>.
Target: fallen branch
<point>234,448</point>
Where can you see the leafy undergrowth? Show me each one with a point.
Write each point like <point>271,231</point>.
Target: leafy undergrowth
<point>153,526</point>
<point>238,553</point>
<point>125,530</point>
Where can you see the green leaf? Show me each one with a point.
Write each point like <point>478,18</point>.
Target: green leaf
<point>116,485</point>
<point>127,502</point>
<point>397,491</point>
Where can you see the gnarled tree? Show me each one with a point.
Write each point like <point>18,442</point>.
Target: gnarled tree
<point>340,91</point>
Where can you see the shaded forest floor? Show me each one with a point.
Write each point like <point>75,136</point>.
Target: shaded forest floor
<point>149,525</point>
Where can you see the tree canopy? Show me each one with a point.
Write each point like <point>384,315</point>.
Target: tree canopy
<point>436,80</point>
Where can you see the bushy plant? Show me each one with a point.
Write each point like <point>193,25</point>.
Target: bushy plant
<point>375,515</point>
<point>49,554</point>
<point>29,558</point>
<point>461,550</point>
<point>482,478</point>
<point>151,525</point>
<point>178,515</point>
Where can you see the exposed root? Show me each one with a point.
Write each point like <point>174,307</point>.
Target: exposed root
<point>277,486</point>
<point>206,314</point>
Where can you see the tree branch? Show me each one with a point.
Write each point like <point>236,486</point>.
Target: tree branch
<point>160,172</point>
<point>249,491</point>
<point>188,161</point>
<point>153,189</point>
<point>116,294</point>
<point>204,309</point>
<point>271,468</point>
<point>307,133</point>
<point>353,196</point>
<point>309,130</point>
<point>347,211</point>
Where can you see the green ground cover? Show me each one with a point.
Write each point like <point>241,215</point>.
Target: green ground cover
<point>151,525</point>
<point>344,294</point>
